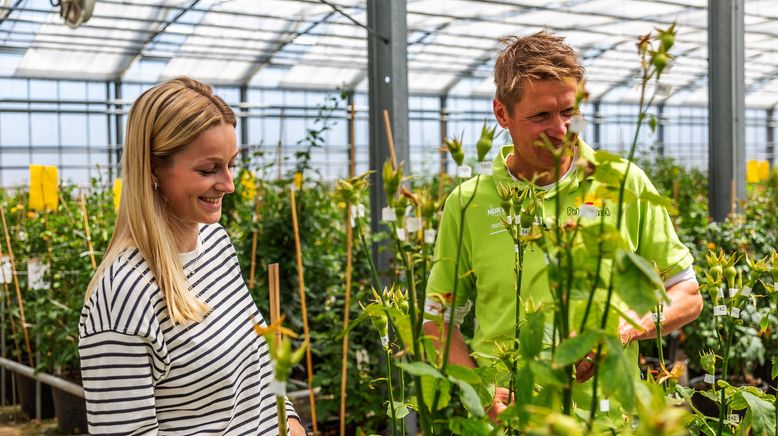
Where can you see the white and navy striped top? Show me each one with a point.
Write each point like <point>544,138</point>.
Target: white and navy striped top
<point>142,375</point>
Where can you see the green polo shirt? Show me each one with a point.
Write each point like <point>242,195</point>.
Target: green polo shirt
<point>487,260</point>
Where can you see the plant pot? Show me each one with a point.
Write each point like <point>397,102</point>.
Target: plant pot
<point>71,412</point>
<point>26,388</point>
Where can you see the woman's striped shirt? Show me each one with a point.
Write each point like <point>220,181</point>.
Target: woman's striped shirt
<point>143,375</point>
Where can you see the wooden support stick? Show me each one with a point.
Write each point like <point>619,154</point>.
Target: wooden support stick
<point>346,313</point>
<point>18,290</point>
<point>306,331</point>
<point>390,139</point>
<point>676,193</point>
<point>254,236</point>
<point>275,313</point>
<point>8,304</point>
<point>88,233</point>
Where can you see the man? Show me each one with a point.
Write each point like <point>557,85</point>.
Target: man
<point>536,79</point>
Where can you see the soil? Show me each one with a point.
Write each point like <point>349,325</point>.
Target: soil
<point>13,423</point>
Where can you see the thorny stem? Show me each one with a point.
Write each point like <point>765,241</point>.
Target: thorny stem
<point>518,270</point>
<point>391,393</point>
<point>281,407</point>
<point>723,405</point>
<point>596,274</point>
<point>449,333</point>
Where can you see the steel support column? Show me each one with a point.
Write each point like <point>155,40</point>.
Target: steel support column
<point>771,137</point>
<point>660,130</point>
<point>387,43</point>
<point>117,118</point>
<point>726,108</point>
<point>244,123</point>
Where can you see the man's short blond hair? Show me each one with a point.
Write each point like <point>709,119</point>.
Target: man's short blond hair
<point>540,56</point>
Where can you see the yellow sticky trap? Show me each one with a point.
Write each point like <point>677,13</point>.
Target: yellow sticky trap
<point>44,185</point>
<point>752,171</point>
<point>117,193</point>
<point>298,180</point>
<point>764,170</point>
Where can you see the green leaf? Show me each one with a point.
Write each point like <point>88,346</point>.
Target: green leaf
<point>463,373</point>
<point>420,369</point>
<point>467,426</point>
<point>652,122</point>
<point>531,334</point>
<point>610,237</point>
<point>403,323</point>
<point>574,349</point>
<point>775,367</point>
<point>618,371</point>
<point>468,396</point>
<point>400,410</point>
<point>547,376</point>
<point>430,385</point>
<point>604,156</point>
<point>636,282</point>
<point>608,176</point>
<point>762,415</point>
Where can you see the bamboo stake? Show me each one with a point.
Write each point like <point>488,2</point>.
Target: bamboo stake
<point>346,313</point>
<point>88,233</point>
<point>255,220</point>
<point>352,154</point>
<point>306,331</point>
<point>275,313</point>
<point>676,192</point>
<point>18,290</point>
<point>8,304</point>
<point>390,138</point>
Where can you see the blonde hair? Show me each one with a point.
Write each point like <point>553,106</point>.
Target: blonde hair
<point>161,122</point>
<point>540,56</point>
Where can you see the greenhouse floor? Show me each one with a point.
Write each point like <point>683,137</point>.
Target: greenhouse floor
<point>13,423</point>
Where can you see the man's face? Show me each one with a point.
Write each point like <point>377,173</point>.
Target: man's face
<point>546,108</point>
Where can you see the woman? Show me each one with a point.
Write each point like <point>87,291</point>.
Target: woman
<point>167,342</point>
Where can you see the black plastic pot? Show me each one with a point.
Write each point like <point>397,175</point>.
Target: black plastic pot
<point>26,388</point>
<point>71,412</point>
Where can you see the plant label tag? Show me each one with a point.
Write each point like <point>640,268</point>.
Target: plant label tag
<point>720,310</point>
<point>537,221</point>
<point>735,312</point>
<point>464,172</point>
<point>388,214</point>
<point>746,291</point>
<point>277,387</point>
<point>401,233</point>
<point>510,219</point>
<point>663,90</point>
<point>353,221</point>
<point>6,273</point>
<point>577,124</point>
<point>734,418</point>
<point>413,224</point>
<point>709,379</point>
<point>605,405</point>
<point>660,318</point>
<point>360,210</point>
<point>385,341</point>
<point>515,248</point>
<point>485,168</point>
<point>524,231</point>
<point>429,236</point>
<point>36,274</point>
<point>720,292</point>
<point>733,292</point>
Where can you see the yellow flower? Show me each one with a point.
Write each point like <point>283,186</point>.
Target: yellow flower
<point>31,214</point>
<point>711,246</point>
<point>590,199</point>
<point>249,186</point>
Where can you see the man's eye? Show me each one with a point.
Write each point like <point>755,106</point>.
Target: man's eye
<point>207,172</point>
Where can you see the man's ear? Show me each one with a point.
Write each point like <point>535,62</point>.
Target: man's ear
<point>500,113</point>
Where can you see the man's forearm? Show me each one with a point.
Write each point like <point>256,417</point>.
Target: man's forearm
<point>459,354</point>
<point>685,307</point>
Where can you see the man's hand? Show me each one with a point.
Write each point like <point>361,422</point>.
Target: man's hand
<point>295,428</point>
<point>499,403</point>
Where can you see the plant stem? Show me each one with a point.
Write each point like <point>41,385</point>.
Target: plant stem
<point>723,407</point>
<point>391,394</point>
<point>596,274</point>
<point>281,407</point>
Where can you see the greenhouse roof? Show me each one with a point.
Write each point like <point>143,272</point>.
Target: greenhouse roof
<point>320,44</point>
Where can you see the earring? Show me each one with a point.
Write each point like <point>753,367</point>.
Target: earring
<point>156,185</point>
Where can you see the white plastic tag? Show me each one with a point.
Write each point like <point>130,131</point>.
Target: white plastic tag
<point>720,310</point>
<point>385,341</point>
<point>524,231</point>
<point>709,379</point>
<point>663,90</point>
<point>537,221</point>
<point>734,313</point>
<point>746,291</point>
<point>412,224</point>
<point>510,219</point>
<point>353,221</point>
<point>720,292</point>
<point>735,418</point>
<point>361,210</point>
<point>464,172</point>
<point>6,273</point>
<point>429,236</point>
<point>605,405</point>
<point>485,168</point>
<point>515,248</point>
<point>661,316</point>
<point>36,274</point>
<point>577,124</point>
<point>733,292</point>
<point>21,236</point>
<point>388,214</point>
<point>277,387</point>
<point>401,233</point>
